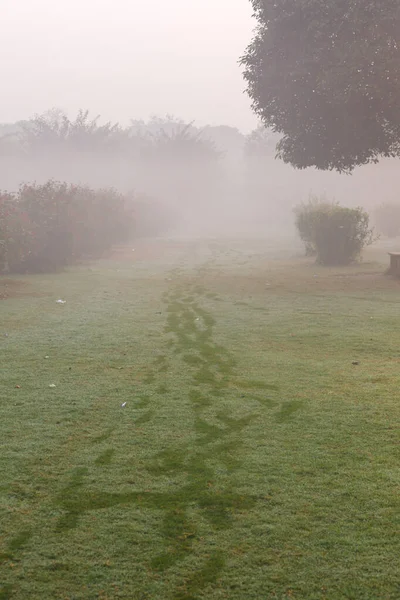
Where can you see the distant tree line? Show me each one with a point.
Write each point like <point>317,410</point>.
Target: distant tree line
<point>189,170</point>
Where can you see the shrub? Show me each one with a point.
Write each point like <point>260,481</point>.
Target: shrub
<point>387,219</point>
<point>334,233</point>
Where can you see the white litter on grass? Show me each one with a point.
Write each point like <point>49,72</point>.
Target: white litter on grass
<point>61,301</point>
<point>47,357</point>
<point>124,404</point>
<point>52,385</point>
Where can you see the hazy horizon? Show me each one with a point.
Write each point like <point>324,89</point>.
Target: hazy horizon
<point>126,60</point>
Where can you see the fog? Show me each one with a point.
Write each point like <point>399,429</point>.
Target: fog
<point>126,59</point>
<point>202,172</point>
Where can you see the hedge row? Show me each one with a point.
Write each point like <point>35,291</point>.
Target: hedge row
<point>45,227</point>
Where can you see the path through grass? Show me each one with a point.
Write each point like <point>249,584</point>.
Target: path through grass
<point>252,460</point>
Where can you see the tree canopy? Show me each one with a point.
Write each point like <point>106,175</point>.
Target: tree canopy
<point>326,76</point>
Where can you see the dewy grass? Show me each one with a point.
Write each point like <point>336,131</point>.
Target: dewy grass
<point>208,436</point>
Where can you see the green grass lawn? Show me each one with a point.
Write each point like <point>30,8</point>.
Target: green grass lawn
<point>253,459</point>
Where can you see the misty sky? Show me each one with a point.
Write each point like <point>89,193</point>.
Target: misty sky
<point>126,58</point>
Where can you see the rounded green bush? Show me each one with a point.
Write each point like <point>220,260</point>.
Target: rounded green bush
<point>335,234</point>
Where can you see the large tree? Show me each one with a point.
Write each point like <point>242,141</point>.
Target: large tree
<point>326,76</point>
